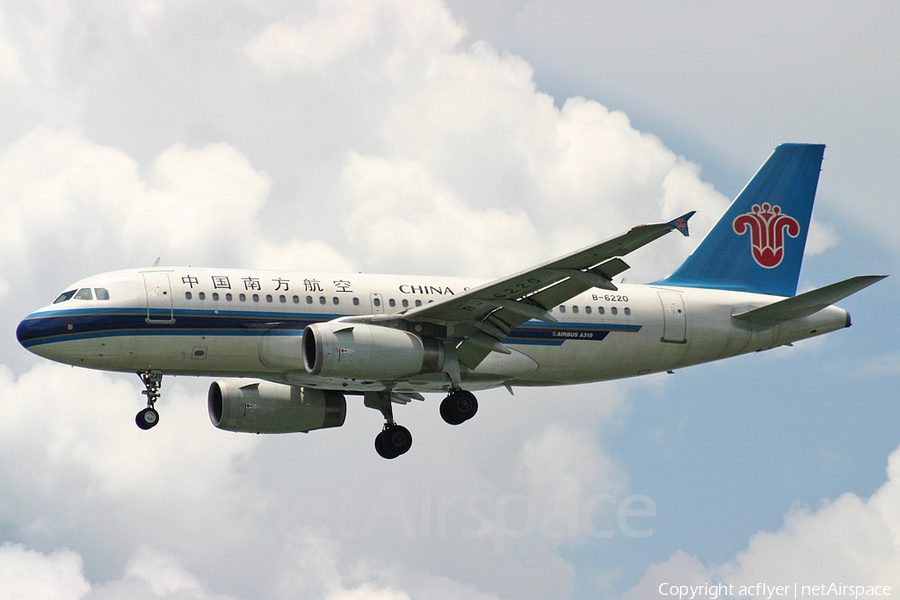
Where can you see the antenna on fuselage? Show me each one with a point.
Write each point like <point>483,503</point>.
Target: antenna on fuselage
<point>156,262</point>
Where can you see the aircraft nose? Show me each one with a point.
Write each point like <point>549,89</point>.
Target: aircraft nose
<point>32,329</point>
<point>25,331</point>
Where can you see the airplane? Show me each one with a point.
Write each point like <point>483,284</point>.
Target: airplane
<point>291,346</point>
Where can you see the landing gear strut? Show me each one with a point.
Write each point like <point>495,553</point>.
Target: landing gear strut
<point>458,406</point>
<point>152,381</point>
<point>394,439</point>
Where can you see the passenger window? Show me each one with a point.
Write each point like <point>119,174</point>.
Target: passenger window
<point>614,310</point>
<point>84,294</point>
<point>627,311</point>
<point>64,296</point>
<point>587,309</point>
<point>562,308</point>
<point>392,303</point>
<point>188,295</point>
<point>101,294</point>
<point>215,296</point>
<point>242,297</point>
<point>201,296</point>
<point>296,299</point>
<point>335,300</point>
<point>256,297</point>
<point>322,300</point>
<point>356,302</point>
<point>309,300</point>
<point>575,309</point>
<point>282,298</point>
<point>600,310</point>
<point>377,302</point>
<point>228,296</point>
<point>405,303</point>
<point>268,297</point>
<point>418,303</point>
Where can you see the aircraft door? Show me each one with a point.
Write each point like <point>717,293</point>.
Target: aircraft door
<point>159,298</point>
<point>674,321</point>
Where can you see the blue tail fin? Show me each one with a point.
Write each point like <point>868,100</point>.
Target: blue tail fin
<point>757,246</point>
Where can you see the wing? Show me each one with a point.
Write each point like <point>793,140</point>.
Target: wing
<point>483,316</point>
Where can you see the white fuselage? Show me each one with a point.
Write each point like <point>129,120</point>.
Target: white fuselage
<point>217,322</point>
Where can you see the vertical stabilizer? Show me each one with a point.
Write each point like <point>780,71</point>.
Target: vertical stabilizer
<point>757,246</point>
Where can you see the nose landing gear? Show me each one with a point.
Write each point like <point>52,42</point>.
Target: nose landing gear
<point>152,381</point>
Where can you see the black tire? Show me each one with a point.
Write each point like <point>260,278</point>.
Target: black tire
<point>458,407</point>
<point>393,441</point>
<point>380,447</point>
<point>147,418</point>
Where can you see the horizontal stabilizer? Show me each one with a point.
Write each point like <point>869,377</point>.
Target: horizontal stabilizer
<point>810,302</point>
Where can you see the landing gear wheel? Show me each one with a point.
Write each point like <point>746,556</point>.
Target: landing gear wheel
<point>393,441</point>
<point>152,381</point>
<point>458,407</point>
<point>147,418</point>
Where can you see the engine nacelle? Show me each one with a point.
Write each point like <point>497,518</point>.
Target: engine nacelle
<point>262,407</point>
<point>362,351</point>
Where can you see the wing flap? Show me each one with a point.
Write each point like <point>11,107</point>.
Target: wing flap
<point>808,303</point>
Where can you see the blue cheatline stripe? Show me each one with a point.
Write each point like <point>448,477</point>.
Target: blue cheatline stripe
<point>56,326</point>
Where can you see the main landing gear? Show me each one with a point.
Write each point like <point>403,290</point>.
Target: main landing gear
<point>152,381</point>
<point>394,439</point>
<point>459,406</point>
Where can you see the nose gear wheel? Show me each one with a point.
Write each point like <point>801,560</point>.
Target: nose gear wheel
<point>152,381</point>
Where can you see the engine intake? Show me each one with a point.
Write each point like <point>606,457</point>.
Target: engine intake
<point>263,407</point>
<point>363,351</point>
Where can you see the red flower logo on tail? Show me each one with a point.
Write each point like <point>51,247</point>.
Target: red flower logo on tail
<point>767,226</point>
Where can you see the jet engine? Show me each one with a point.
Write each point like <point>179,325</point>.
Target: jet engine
<point>263,407</point>
<point>363,351</point>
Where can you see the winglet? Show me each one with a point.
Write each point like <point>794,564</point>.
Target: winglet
<point>681,223</point>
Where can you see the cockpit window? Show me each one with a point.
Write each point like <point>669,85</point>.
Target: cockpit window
<point>65,296</point>
<point>101,293</point>
<point>84,294</point>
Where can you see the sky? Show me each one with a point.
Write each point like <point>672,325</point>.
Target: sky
<point>460,138</point>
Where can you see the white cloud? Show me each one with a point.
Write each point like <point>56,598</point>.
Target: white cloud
<point>89,203</point>
<point>850,541</point>
<point>26,573</point>
<point>400,216</point>
<point>822,237</point>
<point>11,67</point>
<point>564,471</point>
<point>369,38</point>
<point>89,468</point>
